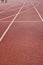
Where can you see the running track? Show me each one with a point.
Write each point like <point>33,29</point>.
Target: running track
<point>21,33</point>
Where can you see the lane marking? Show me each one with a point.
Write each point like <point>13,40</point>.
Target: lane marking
<point>37,11</point>
<point>12,15</point>
<point>20,21</point>
<point>7,17</point>
<point>11,23</point>
<point>6,9</point>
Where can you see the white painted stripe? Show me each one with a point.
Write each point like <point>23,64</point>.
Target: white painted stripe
<point>20,21</point>
<point>7,17</point>
<point>10,16</point>
<point>11,23</point>
<point>37,12</point>
<point>7,9</point>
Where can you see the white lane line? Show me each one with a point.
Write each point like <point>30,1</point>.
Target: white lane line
<point>10,16</point>
<point>6,9</point>
<point>11,23</point>
<point>7,17</point>
<point>28,21</point>
<point>37,12</point>
<point>20,21</point>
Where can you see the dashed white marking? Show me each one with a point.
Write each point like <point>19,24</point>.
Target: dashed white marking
<point>37,12</point>
<point>11,23</point>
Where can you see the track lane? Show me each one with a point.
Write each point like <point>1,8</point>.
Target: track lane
<point>28,14</point>
<point>23,44</point>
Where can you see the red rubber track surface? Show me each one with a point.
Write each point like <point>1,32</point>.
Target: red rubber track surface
<point>23,43</point>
